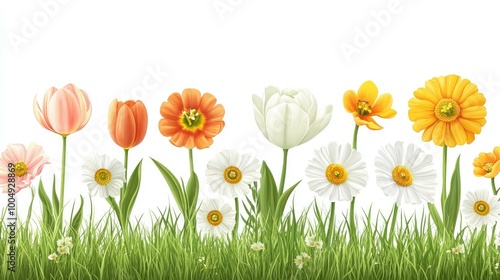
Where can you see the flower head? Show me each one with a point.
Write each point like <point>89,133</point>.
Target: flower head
<point>301,260</point>
<point>64,250</point>
<point>65,241</point>
<point>64,111</point>
<point>460,249</point>
<point>215,217</point>
<point>191,120</point>
<point>28,163</point>
<point>481,208</point>
<point>407,176</point>
<point>257,246</point>
<point>449,109</point>
<point>127,122</point>
<point>364,105</point>
<point>53,257</point>
<point>103,176</point>
<point>337,172</point>
<point>289,118</point>
<point>487,164</point>
<point>230,173</point>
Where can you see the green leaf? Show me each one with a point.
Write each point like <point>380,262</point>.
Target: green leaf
<point>280,208</point>
<point>55,199</point>
<point>47,214</point>
<point>436,217</point>
<point>174,185</point>
<point>452,204</point>
<point>267,196</point>
<point>76,220</point>
<point>128,200</point>
<point>30,208</point>
<point>192,191</point>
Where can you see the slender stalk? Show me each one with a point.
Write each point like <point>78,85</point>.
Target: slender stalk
<point>443,193</point>
<point>352,226</point>
<point>493,187</point>
<point>125,164</point>
<point>236,218</point>
<point>283,172</point>
<point>331,226</point>
<point>393,223</point>
<point>191,164</point>
<point>61,192</point>
<point>124,219</point>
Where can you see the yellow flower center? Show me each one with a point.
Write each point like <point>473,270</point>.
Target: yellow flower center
<point>21,168</point>
<point>336,174</point>
<point>488,167</point>
<point>191,119</point>
<point>481,208</point>
<point>402,176</point>
<point>214,217</point>
<point>364,107</point>
<point>102,176</point>
<point>447,110</point>
<point>233,175</point>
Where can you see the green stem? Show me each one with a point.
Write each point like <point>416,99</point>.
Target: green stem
<point>393,224</point>
<point>124,218</point>
<point>331,226</point>
<point>125,165</point>
<point>61,192</point>
<point>443,193</point>
<point>283,172</point>
<point>493,187</point>
<point>237,217</point>
<point>352,226</point>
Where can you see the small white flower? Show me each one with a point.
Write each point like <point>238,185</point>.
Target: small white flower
<point>201,259</point>
<point>337,172</point>
<point>310,241</point>
<point>448,251</point>
<point>481,208</point>
<point>405,176</point>
<point>65,241</point>
<point>318,244</point>
<point>460,249</point>
<point>257,246</point>
<point>305,257</point>
<point>229,173</point>
<point>103,176</point>
<point>63,250</point>
<point>497,265</point>
<point>299,262</point>
<point>215,217</point>
<point>53,257</point>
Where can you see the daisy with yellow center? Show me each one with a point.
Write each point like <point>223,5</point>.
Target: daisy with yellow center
<point>407,176</point>
<point>337,172</point>
<point>103,176</point>
<point>449,110</point>
<point>215,217</point>
<point>481,208</point>
<point>229,173</point>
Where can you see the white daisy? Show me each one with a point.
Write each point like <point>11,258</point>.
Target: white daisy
<point>337,172</point>
<point>103,176</point>
<point>405,176</point>
<point>460,249</point>
<point>53,257</point>
<point>63,250</point>
<point>299,262</point>
<point>215,217</point>
<point>257,246</point>
<point>229,173</point>
<point>481,208</point>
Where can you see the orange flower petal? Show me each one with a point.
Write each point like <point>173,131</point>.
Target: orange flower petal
<point>350,101</point>
<point>469,125</point>
<point>382,107</point>
<point>458,132</point>
<point>475,112</point>
<point>423,123</point>
<point>479,172</point>
<point>368,91</point>
<point>191,98</point>
<point>202,142</point>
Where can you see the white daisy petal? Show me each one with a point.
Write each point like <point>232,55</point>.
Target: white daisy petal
<point>215,217</point>
<point>407,175</point>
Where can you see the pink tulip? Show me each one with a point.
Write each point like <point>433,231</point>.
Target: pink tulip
<point>27,164</point>
<point>64,111</point>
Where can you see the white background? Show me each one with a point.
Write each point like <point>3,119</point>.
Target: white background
<point>108,48</point>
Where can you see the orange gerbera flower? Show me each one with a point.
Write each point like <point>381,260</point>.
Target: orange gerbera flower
<point>364,105</point>
<point>449,109</point>
<point>487,164</point>
<point>191,120</point>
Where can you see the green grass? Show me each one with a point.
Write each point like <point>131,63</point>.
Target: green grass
<point>162,251</point>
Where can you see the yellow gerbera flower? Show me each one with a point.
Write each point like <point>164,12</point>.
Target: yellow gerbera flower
<point>364,105</point>
<point>487,164</point>
<point>449,109</point>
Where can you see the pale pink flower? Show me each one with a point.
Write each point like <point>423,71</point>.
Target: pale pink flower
<point>63,111</point>
<point>26,165</point>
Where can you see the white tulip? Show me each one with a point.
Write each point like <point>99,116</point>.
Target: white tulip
<point>289,118</point>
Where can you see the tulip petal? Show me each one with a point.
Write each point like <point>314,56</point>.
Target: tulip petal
<point>141,121</point>
<point>40,117</point>
<point>125,127</point>
<point>350,101</point>
<point>258,114</point>
<point>318,125</point>
<point>112,118</point>
<point>64,112</point>
<point>287,125</point>
<point>368,91</point>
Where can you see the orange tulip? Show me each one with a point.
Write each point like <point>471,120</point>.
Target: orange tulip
<point>191,120</point>
<point>487,164</point>
<point>64,111</point>
<point>127,123</point>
